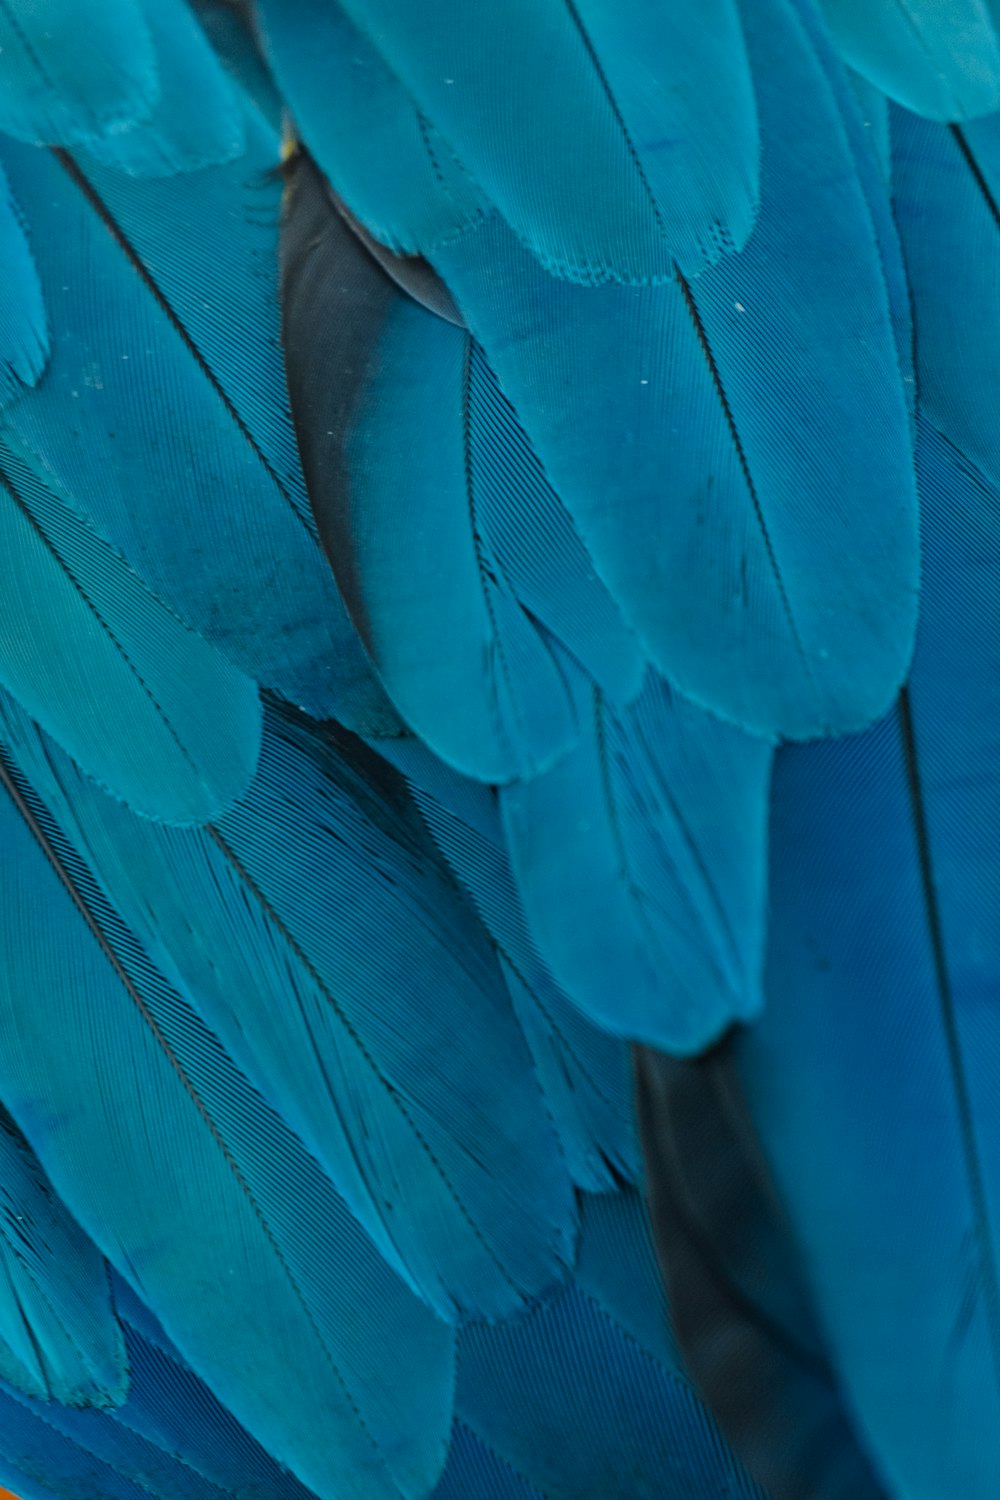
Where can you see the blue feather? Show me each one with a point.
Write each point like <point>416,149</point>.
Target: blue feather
<point>872,1072</point>
<point>198,119</point>
<point>356,936</point>
<point>640,859</point>
<point>594,1362</point>
<point>775,582</point>
<point>107,669</point>
<point>605,168</point>
<point>59,1338</point>
<point>945,190</point>
<point>202,1198</point>
<point>942,61</point>
<point>140,430</point>
<point>584,1072</point>
<point>73,72</point>
<point>383,157</point>
<point>433,510</point>
<point>24,334</point>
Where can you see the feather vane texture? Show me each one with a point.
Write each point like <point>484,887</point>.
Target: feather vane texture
<point>775,583</point>
<point>59,1338</point>
<point>24,337</point>
<point>358,939</point>
<point>876,1101</point>
<point>641,862</point>
<point>543,101</point>
<point>194,1189</point>
<point>107,669</point>
<point>148,443</point>
<point>198,119</point>
<point>942,61</point>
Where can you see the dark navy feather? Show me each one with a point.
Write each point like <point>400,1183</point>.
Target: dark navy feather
<point>739,1305</point>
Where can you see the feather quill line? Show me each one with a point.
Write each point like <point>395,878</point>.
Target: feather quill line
<point>80,180</point>
<point>977,1186</point>
<point>10,782</point>
<point>251,885</point>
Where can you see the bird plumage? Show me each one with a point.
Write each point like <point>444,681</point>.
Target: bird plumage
<point>506,574</point>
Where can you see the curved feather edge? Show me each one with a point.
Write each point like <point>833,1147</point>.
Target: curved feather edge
<point>198,119</point>
<point>358,938</point>
<point>181,484</point>
<point>73,72</point>
<point>107,669</point>
<point>199,1199</point>
<point>774,583</point>
<point>606,171</point>
<point>641,862</point>
<point>942,61</point>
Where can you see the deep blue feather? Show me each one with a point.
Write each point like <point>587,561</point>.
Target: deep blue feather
<point>872,1072</point>
<point>775,582</point>
<point>595,1362</point>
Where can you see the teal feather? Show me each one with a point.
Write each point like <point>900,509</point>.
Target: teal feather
<point>24,335</point>
<point>178,483</point>
<point>640,859</point>
<point>202,1198</point>
<point>775,583</point>
<point>59,1337</point>
<point>197,120</point>
<point>72,73</point>
<point>363,944</point>
<point>107,669</point>
<point>606,169</point>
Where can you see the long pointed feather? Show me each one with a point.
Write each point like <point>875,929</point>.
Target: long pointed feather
<point>876,1100</point>
<point>357,938</point>
<point>195,1190</point>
